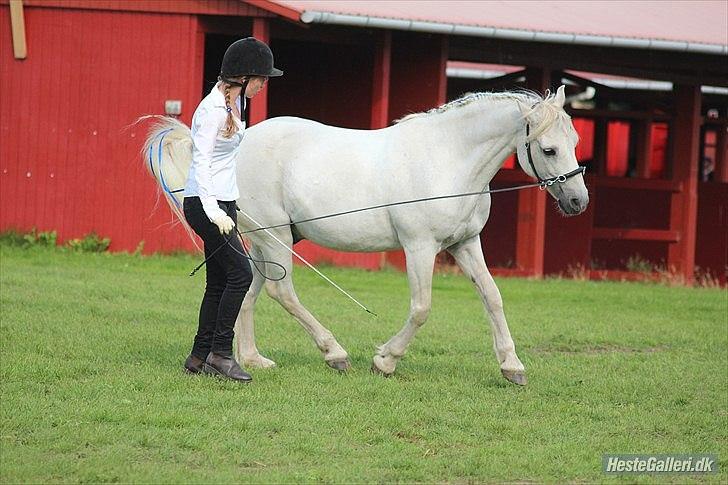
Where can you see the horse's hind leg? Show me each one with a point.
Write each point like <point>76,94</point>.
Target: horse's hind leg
<point>282,291</point>
<point>246,352</point>
<point>469,256</point>
<point>420,264</point>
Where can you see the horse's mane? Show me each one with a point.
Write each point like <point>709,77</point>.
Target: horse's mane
<point>532,105</point>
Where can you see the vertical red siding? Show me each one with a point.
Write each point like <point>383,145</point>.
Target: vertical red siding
<point>618,151</point>
<point>585,129</point>
<point>711,255</point>
<point>418,80</point>
<point>65,121</point>
<point>659,150</point>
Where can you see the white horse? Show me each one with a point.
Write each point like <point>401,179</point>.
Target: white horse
<point>291,169</point>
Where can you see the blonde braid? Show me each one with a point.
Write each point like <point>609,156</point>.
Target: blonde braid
<point>230,126</point>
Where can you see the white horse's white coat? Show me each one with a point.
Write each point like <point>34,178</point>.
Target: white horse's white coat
<point>293,169</point>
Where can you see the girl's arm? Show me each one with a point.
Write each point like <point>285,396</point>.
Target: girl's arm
<point>208,124</point>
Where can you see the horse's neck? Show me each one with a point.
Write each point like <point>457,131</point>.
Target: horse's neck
<point>483,134</point>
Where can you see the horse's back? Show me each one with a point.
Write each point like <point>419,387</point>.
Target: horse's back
<point>313,169</point>
<point>295,125</point>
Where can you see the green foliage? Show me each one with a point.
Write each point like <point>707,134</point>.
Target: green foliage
<point>33,238</point>
<point>91,243</point>
<point>12,237</point>
<point>47,239</point>
<point>92,389</point>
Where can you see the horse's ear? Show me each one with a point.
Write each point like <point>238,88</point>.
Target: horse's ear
<point>560,97</point>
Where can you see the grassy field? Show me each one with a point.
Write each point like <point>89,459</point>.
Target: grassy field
<point>92,388</point>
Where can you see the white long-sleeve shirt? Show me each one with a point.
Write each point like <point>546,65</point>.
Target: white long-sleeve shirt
<point>212,175</point>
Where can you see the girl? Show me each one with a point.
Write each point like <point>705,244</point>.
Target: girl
<point>209,203</point>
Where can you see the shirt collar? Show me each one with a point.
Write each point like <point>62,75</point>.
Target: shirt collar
<point>219,99</point>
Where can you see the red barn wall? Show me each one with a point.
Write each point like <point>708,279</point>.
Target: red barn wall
<point>69,160</point>
<point>325,82</point>
<point>711,254</point>
<point>498,237</point>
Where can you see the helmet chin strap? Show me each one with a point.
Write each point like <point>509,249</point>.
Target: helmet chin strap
<point>232,82</point>
<point>243,86</point>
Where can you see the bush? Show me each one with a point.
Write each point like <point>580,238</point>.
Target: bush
<point>12,237</point>
<point>32,238</point>
<point>48,238</point>
<point>91,243</point>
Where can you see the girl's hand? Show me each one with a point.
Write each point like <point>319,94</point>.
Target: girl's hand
<point>224,223</point>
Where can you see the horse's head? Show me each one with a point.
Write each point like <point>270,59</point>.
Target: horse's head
<point>546,152</point>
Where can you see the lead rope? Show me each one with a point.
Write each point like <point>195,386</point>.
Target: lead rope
<point>265,228</point>
<point>402,202</point>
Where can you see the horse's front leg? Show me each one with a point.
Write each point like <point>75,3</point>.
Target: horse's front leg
<point>246,352</point>
<point>469,256</point>
<point>334,354</point>
<point>283,292</point>
<point>420,263</point>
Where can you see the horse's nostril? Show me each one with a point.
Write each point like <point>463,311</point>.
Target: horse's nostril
<point>575,203</point>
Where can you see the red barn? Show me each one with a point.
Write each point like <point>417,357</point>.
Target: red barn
<point>652,114</point>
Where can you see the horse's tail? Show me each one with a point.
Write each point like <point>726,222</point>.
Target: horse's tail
<point>167,154</point>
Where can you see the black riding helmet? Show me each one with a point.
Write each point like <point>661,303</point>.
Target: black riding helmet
<point>248,57</point>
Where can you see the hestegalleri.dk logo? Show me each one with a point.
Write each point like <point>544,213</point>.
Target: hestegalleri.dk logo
<point>698,463</point>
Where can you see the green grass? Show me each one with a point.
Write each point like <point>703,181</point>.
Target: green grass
<point>92,389</point>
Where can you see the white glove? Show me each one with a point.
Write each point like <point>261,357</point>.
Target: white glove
<point>224,223</point>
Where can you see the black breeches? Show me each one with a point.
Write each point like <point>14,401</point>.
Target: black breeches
<point>228,277</point>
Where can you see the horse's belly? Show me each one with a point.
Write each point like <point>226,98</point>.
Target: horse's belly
<point>352,232</point>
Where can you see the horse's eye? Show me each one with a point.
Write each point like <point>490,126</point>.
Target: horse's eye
<point>549,152</point>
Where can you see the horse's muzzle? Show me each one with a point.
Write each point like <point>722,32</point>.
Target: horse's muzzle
<point>571,206</point>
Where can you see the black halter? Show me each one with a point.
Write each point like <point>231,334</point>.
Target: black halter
<point>551,181</point>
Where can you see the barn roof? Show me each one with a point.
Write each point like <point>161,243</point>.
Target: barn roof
<point>694,25</point>
<point>476,70</point>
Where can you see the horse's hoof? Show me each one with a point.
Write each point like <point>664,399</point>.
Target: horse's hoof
<point>258,362</point>
<point>340,365</point>
<point>380,366</point>
<point>515,376</point>
<point>376,370</point>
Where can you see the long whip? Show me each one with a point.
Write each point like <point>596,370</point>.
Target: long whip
<point>292,251</point>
